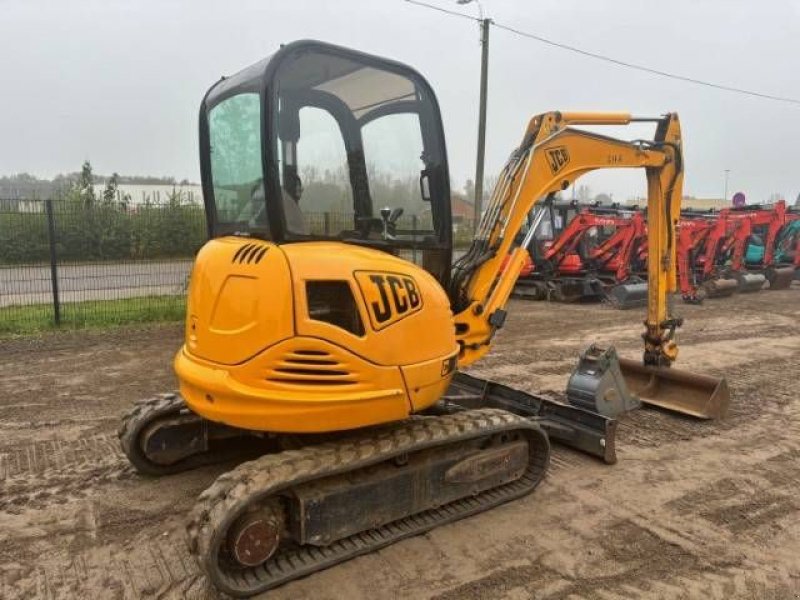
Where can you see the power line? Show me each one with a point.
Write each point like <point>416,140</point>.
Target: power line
<point>618,62</point>
<point>650,70</point>
<point>444,10</point>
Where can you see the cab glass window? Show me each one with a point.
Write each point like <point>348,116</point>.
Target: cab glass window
<point>356,146</point>
<point>234,127</point>
<point>393,145</point>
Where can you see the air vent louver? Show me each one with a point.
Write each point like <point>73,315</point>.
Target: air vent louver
<point>250,253</point>
<point>311,367</point>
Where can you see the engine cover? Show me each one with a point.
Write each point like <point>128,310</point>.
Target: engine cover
<point>312,337</point>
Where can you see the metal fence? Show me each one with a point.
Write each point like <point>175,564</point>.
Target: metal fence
<point>64,262</point>
<point>68,262</point>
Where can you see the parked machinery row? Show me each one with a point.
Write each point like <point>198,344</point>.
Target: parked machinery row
<point>583,252</point>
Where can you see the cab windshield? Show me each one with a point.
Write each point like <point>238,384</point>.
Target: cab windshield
<point>356,150</point>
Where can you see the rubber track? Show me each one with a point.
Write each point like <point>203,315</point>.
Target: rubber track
<point>250,483</point>
<point>133,421</point>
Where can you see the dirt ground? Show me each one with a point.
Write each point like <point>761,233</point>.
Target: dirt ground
<point>691,510</point>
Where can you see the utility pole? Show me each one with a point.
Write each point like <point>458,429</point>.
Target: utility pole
<point>485,23</point>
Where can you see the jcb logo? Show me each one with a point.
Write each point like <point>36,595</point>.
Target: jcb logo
<point>557,158</point>
<point>389,296</point>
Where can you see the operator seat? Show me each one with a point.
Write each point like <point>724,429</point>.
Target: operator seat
<point>295,220</point>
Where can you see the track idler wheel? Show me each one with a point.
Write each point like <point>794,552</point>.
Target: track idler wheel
<point>255,536</point>
<point>162,436</point>
<point>140,433</point>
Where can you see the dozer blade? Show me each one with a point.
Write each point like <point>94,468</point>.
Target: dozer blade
<point>780,278</point>
<point>722,287</point>
<point>628,295</point>
<point>578,428</point>
<point>679,391</point>
<point>750,282</point>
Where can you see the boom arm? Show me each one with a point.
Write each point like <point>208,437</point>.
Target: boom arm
<point>550,158</point>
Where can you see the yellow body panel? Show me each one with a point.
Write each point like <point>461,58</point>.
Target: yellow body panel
<point>256,358</point>
<point>235,308</point>
<point>418,336</point>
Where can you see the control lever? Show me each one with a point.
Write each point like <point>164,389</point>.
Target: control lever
<point>389,217</point>
<point>385,213</point>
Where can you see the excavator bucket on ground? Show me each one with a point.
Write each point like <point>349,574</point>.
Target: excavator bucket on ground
<point>780,278</point>
<point>679,391</point>
<point>610,386</point>
<point>628,295</point>
<point>750,282</point>
<point>722,287</point>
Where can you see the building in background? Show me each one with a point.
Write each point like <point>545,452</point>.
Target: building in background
<point>159,193</point>
<point>704,203</point>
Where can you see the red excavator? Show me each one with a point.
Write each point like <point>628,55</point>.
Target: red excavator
<point>701,239</point>
<point>764,222</point>
<point>585,252</point>
<point>581,252</point>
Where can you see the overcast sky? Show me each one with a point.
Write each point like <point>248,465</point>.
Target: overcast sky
<point>119,82</point>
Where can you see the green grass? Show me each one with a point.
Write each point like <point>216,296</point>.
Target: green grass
<point>26,320</point>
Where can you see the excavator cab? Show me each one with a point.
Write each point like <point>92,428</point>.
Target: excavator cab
<point>318,142</point>
<point>319,302</point>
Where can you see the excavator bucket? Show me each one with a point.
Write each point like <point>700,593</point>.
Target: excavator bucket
<point>628,295</point>
<point>722,287</point>
<point>780,278</point>
<point>750,282</point>
<point>691,394</point>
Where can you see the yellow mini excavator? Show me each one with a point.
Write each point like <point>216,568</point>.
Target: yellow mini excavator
<point>329,347</point>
